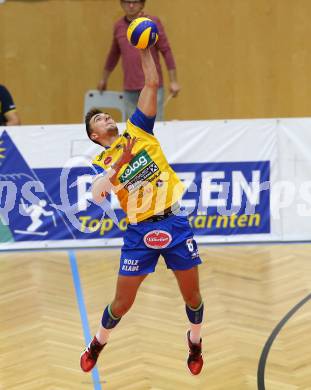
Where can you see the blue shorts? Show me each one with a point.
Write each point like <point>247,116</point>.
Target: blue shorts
<point>146,241</point>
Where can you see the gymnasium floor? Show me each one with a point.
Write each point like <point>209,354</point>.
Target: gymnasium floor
<point>247,291</point>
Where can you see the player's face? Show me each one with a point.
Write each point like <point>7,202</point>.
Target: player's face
<point>132,8</point>
<point>104,129</point>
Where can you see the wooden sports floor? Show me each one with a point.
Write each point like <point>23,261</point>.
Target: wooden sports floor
<point>247,290</point>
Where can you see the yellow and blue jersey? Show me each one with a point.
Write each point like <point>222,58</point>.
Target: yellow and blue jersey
<point>147,185</point>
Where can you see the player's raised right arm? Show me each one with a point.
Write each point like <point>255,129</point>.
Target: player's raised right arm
<point>147,102</point>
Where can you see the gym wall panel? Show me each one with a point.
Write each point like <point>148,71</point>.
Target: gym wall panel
<point>235,58</point>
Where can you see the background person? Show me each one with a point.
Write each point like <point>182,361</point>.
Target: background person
<point>8,113</point>
<point>133,80</point>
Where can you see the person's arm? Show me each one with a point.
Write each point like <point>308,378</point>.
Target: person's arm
<point>110,64</point>
<point>145,113</point>
<point>174,85</point>
<point>166,51</point>
<point>103,183</point>
<point>103,82</point>
<point>12,118</point>
<point>147,102</point>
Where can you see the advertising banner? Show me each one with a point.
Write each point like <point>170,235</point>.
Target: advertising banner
<point>227,168</point>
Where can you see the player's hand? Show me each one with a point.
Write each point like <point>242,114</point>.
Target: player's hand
<point>174,88</point>
<point>102,85</point>
<point>127,154</point>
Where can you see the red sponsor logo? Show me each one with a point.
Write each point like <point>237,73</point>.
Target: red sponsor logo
<point>157,239</point>
<point>107,160</point>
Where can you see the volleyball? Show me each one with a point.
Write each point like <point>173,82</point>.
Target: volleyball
<point>142,33</point>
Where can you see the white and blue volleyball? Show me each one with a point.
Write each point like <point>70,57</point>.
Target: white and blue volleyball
<point>142,33</point>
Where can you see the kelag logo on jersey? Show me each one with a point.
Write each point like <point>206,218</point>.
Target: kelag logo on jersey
<point>139,170</point>
<point>233,198</point>
<point>136,165</point>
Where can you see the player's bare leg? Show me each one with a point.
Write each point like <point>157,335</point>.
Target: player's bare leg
<point>126,291</point>
<point>188,282</point>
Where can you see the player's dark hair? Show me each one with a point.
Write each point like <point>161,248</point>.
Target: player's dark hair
<point>88,117</point>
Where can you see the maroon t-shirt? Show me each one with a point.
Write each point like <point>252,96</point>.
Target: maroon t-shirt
<point>131,62</point>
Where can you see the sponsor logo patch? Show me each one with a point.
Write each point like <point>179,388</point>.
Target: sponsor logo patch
<point>141,177</point>
<point>139,162</point>
<point>130,265</point>
<point>107,160</point>
<point>157,239</point>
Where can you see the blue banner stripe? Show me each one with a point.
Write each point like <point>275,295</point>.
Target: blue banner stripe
<point>83,312</point>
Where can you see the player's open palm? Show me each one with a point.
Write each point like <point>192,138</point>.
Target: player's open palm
<point>128,154</point>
